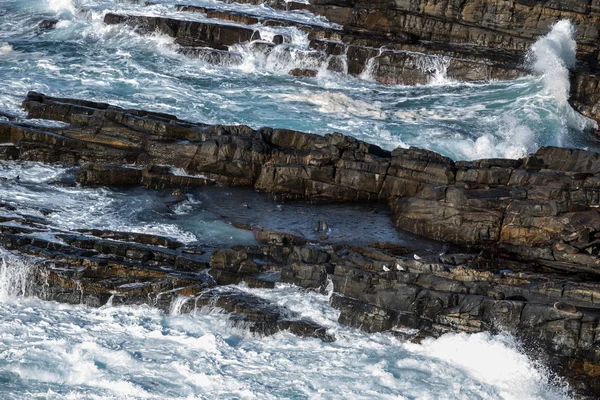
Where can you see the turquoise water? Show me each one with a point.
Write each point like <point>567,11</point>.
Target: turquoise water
<point>54,351</point>
<point>84,58</point>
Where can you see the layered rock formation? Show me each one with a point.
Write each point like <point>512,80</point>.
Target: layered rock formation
<point>531,229</point>
<point>395,59</point>
<point>541,208</point>
<point>483,25</point>
<point>401,42</point>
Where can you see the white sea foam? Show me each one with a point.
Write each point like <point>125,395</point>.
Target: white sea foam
<point>551,56</point>
<point>510,140</point>
<point>437,67</point>
<point>61,6</point>
<point>368,72</point>
<point>15,273</point>
<point>336,103</point>
<point>5,48</point>
<point>139,353</point>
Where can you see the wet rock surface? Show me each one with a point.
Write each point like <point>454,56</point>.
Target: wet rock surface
<point>402,42</point>
<point>521,236</point>
<point>403,57</point>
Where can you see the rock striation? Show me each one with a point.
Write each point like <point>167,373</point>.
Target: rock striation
<point>484,26</point>
<point>542,208</point>
<point>400,42</point>
<point>392,42</point>
<point>396,59</point>
<point>528,231</point>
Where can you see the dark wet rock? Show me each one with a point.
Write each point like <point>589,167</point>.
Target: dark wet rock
<point>306,276</point>
<point>153,177</point>
<point>187,33</point>
<point>270,236</point>
<point>46,24</point>
<point>321,226</point>
<point>565,307</point>
<point>243,18</point>
<point>309,73</point>
<point>228,277</point>
<point>108,175</point>
<point>280,39</point>
<point>143,238</point>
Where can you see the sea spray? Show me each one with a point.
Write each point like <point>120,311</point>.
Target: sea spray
<point>437,67</point>
<point>517,131</point>
<point>5,48</point>
<point>62,7</point>
<point>551,57</point>
<point>15,274</point>
<point>368,73</point>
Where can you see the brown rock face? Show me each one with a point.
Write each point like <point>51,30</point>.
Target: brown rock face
<point>187,33</point>
<point>534,222</point>
<point>542,208</point>
<point>506,25</point>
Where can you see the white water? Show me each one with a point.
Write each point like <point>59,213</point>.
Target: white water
<point>55,351</point>
<point>82,57</point>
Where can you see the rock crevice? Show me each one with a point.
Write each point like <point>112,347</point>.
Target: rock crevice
<point>533,223</point>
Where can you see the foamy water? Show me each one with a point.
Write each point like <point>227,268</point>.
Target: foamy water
<point>55,351</point>
<point>84,58</point>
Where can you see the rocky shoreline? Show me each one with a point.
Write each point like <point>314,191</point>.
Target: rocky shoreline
<point>396,42</point>
<point>518,240</point>
<point>523,234</point>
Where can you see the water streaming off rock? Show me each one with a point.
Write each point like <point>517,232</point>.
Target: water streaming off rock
<point>82,57</point>
<point>54,351</point>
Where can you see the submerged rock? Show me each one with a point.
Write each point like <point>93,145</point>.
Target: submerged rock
<point>46,24</point>
<point>310,73</point>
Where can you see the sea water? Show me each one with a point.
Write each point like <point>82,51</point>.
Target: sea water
<point>55,351</point>
<point>84,58</point>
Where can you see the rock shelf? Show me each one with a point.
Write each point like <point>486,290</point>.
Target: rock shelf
<point>399,42</point>
<point>524,234</point>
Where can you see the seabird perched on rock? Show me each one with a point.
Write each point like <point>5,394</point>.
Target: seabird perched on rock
<point>321,225</point>
<point>416,257</point>
<point>444,250</point>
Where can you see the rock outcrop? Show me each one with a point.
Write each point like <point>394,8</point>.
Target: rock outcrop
<point>400,42</point>
<point>394,59</point>
<point>482,25</point>
<point>531,228</point>
<point>543,208</point>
